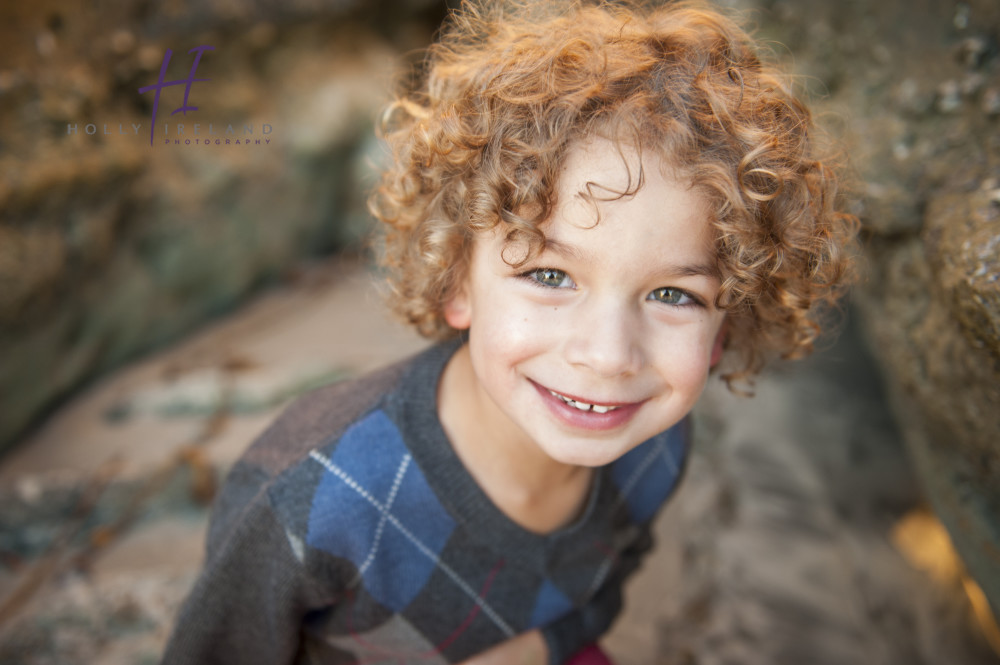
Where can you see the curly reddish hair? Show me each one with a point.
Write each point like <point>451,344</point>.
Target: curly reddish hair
<point>508,89</point>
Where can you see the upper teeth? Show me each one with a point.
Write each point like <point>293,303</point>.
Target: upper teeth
<point>583,406</point>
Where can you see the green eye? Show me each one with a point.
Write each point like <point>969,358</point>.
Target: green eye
<point>671,296</point>
<point>551,277</point>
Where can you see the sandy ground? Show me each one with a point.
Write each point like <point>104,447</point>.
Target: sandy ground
<point>781,547</point>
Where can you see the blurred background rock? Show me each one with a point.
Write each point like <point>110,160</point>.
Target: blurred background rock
<point>916,90</point>
<point>111,249</point>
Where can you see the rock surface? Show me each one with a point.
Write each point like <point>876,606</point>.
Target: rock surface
<point>917,86</point>
<point>110,246</point>
<point>910,95</point>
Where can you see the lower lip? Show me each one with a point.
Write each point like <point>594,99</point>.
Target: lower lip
<point>590,420</point>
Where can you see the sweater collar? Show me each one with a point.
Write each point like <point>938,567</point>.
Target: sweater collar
<point>416,408</point>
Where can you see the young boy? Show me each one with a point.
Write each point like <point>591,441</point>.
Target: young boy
<point>588,204</point>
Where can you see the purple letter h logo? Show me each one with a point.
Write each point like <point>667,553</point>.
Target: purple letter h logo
<point>160,84</point>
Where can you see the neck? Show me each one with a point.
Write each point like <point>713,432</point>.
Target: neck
<point>534,490</point>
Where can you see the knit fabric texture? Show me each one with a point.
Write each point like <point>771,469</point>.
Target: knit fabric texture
<point>350,532</point>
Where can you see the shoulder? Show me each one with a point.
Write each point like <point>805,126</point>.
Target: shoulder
<point>647,475</point>
<point>316,417</point>
<point>341,498</point>
<point>268,466</point>
<point>348,435</point>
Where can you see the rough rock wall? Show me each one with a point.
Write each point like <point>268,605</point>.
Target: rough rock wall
<point>919,86</point>
<point>110,246</point>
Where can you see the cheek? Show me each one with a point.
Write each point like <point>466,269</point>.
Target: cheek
<point>692,374</point>
<point>687,377</point>
<point>509,333</point>
<point>686,358</point>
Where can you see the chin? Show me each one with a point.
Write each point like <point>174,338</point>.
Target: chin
<point>592,456</point>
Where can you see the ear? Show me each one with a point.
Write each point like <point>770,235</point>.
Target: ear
<point>458,310</point>
<point>720,343</point>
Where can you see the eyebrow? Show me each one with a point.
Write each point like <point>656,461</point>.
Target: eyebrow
<point>685,270</point>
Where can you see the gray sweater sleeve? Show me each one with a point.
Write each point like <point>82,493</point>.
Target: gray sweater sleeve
<point>259,580</point>
<point>247,605</point>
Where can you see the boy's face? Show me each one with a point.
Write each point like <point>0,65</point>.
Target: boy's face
<point>607,337</point>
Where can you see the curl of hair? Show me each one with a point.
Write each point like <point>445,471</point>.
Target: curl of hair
<point>508,89</point>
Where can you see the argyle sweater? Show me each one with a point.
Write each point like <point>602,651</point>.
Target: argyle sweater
<point>350,532</point>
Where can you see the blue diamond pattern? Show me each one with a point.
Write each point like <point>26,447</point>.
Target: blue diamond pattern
<point>550,604</point>
<point>397,555</point>
<point>647,473</point>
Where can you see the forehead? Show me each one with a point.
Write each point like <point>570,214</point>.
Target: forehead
<point>606,168</point>
<point>610,193</point>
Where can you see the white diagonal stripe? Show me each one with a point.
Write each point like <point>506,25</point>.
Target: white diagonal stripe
<point>298,549</point>
<point>426,551</point>
<point>668,457</point>
<point>602,573</point>
<point>647,461</point>
<point>400,472</point>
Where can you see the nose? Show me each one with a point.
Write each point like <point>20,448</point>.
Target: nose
<point>605,339</point>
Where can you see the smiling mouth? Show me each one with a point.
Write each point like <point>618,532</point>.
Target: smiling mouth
<point>583,406</point>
